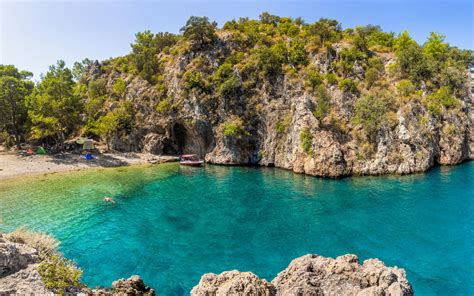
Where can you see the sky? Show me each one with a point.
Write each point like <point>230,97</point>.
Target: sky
<point>35,34</point>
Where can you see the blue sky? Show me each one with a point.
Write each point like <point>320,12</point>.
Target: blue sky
<point>34,34</point>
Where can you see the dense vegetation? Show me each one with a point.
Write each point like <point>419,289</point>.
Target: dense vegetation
<point>68,102</point>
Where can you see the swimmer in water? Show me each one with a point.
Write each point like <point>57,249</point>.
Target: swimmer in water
<point>109,199</point>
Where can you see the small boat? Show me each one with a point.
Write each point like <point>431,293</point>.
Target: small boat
<point>190,160</point>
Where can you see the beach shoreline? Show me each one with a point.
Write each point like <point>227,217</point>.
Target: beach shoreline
<point>15,166</point>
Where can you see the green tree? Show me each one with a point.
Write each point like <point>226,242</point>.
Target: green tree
<point>200,31</point>
<point>53,107</point>
<point>269,19</point>
<point>80,68</point>
<point>270,60</point>
<point>435,47</point>
<point>410,58</point>
<point>144,55</point>
<point>15,86</point>
<point>297,54</point>
<point>118,120</point>
<point>97,87</point>
<point>326,30</point>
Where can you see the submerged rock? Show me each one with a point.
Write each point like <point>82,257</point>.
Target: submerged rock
<point>313,275</point>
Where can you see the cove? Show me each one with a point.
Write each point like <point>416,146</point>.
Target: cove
<point>172,224</point>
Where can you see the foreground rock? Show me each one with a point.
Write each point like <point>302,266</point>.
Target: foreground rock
<point>307,275</point>
<point>131,286</point>
<point>313,275</point>
<point>233,283</point>
<point>317,275</point>
<point>19,275</point>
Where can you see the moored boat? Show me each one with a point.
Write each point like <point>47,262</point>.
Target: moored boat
<point>190,160</point>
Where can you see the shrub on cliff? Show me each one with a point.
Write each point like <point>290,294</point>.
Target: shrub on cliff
<point>119,87</point>
<point>306,139</point>
<point>323,103</point>
<point>370,112</point>
<point>234,127</point>
<point>348,85</point>
<point>331,78</point>
<point>314,79</point>
<point>441,98</point>
<point>163,106</point>
<point>282,125</point>
<point>59,274</point>
<point>270,59</point>
<point>196,80</point>
<point>405,87</point>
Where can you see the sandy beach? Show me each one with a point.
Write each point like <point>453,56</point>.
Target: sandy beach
<point>12,165</point>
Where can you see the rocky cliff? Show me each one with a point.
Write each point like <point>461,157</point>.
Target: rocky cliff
<point>312,275</point>
<point>342,111</point>
<point>278,123</point>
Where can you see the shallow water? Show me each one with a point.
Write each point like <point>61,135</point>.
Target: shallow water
<point>172,224</point>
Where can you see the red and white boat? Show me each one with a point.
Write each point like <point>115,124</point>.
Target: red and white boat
<point>190,160</point>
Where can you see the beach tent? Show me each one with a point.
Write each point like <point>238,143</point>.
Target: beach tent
<point>88,144</point>
<point>40,150</point>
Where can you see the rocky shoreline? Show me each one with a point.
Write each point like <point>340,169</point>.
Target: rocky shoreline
<point>308,275</point>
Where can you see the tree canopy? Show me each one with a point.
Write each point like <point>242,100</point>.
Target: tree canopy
<point>15,86</point>
<point>53,107</point>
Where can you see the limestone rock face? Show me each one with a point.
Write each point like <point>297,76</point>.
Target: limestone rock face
<point>233,283</point>
<point>317,275</point>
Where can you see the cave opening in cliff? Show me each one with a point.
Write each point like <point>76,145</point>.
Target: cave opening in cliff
<point>179,133</point>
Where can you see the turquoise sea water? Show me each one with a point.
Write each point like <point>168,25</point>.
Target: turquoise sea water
<point>172,224</point>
